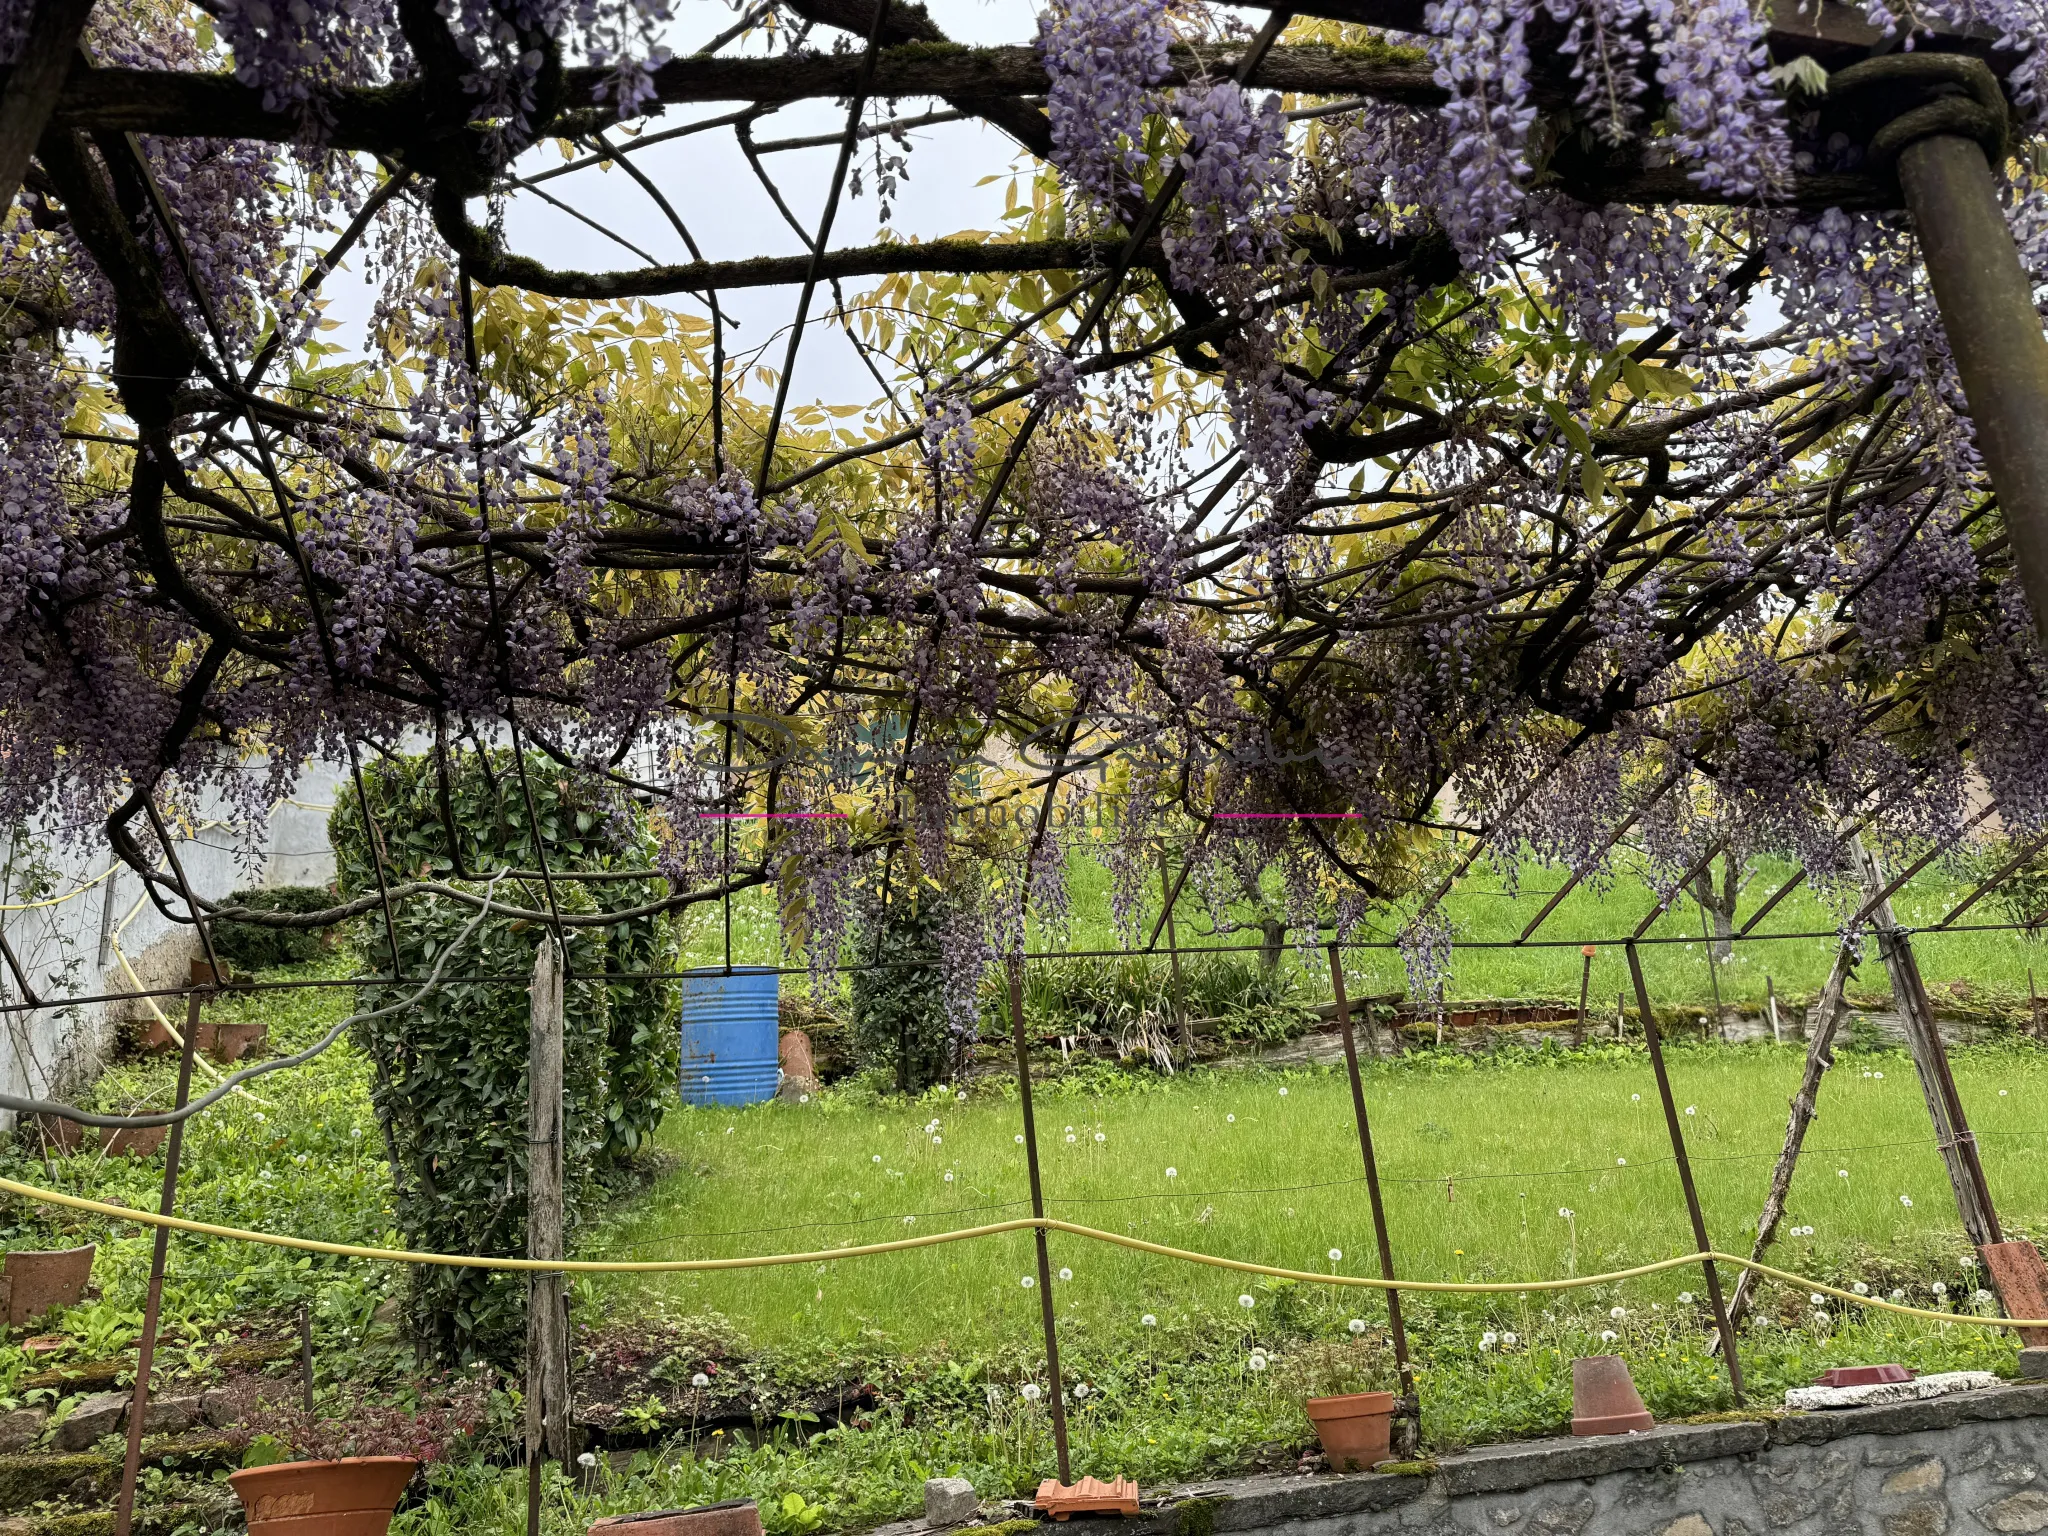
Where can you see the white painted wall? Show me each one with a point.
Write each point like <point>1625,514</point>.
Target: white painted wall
<point>75,937</point>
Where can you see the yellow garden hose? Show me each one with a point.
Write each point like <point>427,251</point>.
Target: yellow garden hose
<point>961,1234</point>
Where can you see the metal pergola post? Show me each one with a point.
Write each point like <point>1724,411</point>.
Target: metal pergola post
<point>1056,1397</point>
<point>1948,120</point>
<point>1409,1402</point>
<point>1651,1039</point>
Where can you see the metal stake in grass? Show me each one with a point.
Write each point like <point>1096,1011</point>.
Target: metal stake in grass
<point>1045,1308</point>
<point>152,1308</point>
<point>1372,1185</point>
<point>1170,893</point>
<point>1585,982</point>
<point>1692,1194</point>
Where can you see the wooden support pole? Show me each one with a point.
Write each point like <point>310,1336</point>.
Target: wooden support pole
<point>1057,1396</point>
<point>1410,1404</point>
<point>1722,1326</point>
<point>1585,982</point>
<point>1771,1008</point>
<point>1819,1057</point>
<point>1937,1086</point>
<point>547,1318</point>
<point>152,1306</point>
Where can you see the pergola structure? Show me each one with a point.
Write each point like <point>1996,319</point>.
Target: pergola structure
<point>1650,575</point>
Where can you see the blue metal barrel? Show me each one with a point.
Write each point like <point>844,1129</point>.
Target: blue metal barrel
<point>730,1039</point>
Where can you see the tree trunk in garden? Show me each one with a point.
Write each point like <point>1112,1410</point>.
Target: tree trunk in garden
<point>1944,1107</point>
<point>1719,904</point>
<point>1819,1057</point>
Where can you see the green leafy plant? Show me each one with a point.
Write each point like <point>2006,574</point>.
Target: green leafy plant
<point>899,1006</point>
<point>450,1071</point>
<point>1337,1367</point>
<point>258,947</point>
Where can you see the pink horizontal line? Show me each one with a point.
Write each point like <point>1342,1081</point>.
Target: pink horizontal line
<point>773,815</point>
<point>1289,816</point>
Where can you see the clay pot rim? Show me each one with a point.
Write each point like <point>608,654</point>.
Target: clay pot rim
<point>334,1461</point>
<point>1351,1405</point>
<point>44,1253</point>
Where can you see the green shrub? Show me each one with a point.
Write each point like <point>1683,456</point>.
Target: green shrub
<point>1106,997</point>
<point>253,947</point>
<point>450,1088</point>
<point>899,1006</point>
<point>2022,896</point>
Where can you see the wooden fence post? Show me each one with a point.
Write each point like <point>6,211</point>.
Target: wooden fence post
<point>547,1320</point>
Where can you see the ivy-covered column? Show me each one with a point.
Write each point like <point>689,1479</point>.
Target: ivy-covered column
<point>1942,123</point>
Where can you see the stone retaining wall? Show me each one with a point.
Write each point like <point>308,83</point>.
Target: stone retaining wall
<point>1973,1463</point>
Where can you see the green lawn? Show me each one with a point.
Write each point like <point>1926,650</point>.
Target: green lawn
<point>1478,1160</point>
<point>1985,972</point>
<point>1480,1154</point>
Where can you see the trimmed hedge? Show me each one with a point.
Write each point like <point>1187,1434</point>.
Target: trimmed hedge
<point>251,947</point>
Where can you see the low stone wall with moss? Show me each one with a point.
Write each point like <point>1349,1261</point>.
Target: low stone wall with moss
<point>1952,1466</point>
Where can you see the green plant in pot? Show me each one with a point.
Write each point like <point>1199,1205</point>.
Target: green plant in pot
<point>1340,1384</point>
<point>308,1475</point>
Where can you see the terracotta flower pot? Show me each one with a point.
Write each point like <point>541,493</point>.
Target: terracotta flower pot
<point>351,1497</point>
<point>735,1517</point>
<point>157,1038</point>
<point>1356,1429</point>
<point>59,1137</point>
<point>39,1281</point>
<point>799,1072</point>
<point>231,1042</point>
<point>141,1142</point>
<point>1604,1398</point>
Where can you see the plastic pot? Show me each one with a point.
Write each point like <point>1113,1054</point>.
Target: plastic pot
<point>38,1281</point>
<point>1356,1429</point>
<point>351,1497</point>
<point>735,1517</point>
